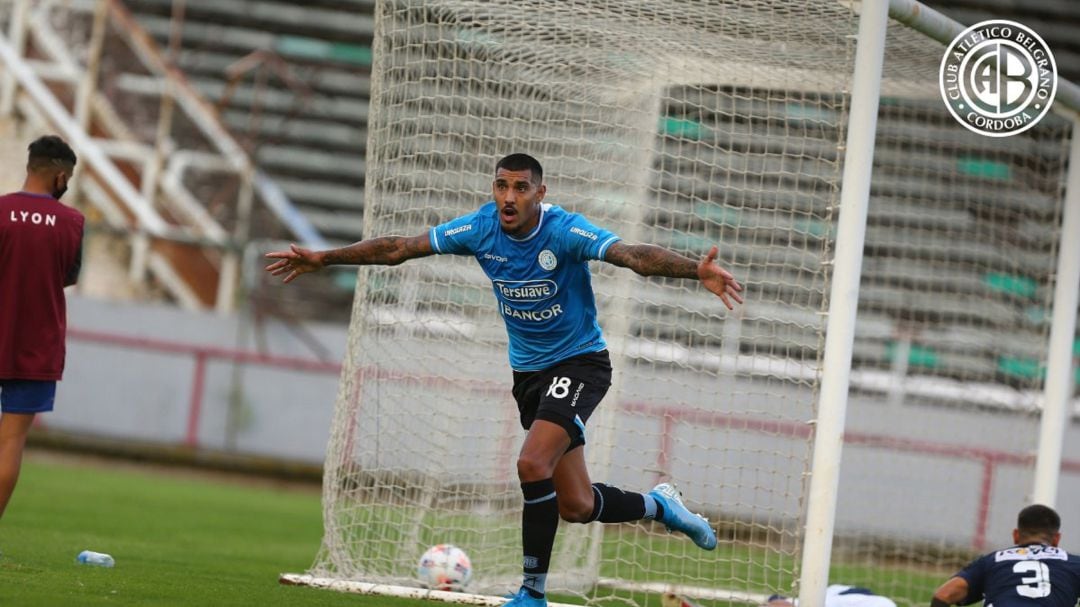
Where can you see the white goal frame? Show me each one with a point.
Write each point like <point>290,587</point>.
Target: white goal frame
<point>843,303</point>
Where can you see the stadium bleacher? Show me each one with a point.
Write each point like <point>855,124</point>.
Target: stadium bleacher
<point>958,246</point>
<point>935,271</point>
<point>311,140</point>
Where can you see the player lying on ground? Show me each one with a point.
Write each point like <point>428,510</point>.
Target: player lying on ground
<point>838,595</point>
<point>1034,572</point>
<point>536,256</point>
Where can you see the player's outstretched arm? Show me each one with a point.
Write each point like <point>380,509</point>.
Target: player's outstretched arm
<point>651,260</point>
<point>382,251</point>
<point>950,593</point>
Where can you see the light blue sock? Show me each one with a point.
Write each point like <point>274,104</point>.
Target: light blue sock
<point>535,584</point>
<point>650,506</point>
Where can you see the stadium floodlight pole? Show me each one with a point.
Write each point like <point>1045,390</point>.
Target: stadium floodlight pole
<point>843,302</point>
<point>1058,387</point>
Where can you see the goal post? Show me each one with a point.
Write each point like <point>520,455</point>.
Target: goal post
<point>1060,386</point>
<point>688,125</point>
<point>843,304</point>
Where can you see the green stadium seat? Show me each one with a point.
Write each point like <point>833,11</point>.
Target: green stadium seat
<point>1010,283</point>
<point>984,168</point>
<point>918,356</point>
<point>1027,368</point>
<point>683,127</point>
<point>321,50</point>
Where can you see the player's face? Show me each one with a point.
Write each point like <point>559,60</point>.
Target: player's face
<point>518,199</point>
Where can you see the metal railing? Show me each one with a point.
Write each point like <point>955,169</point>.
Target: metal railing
<point>150,146</point>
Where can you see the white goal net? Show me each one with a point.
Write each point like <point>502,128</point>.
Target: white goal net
<point>685,125</point>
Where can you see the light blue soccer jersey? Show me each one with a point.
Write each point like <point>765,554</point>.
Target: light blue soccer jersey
<point>541,282</point>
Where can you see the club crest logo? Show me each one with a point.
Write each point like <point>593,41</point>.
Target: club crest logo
<point>547,260</point>
<point>998,78</point>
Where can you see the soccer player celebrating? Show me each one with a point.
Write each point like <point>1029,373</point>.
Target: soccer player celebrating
<point>536,256</point>
<point>41,245</point>
<point>1033,572</point>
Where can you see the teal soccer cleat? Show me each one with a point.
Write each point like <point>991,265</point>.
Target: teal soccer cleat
<point>677,518</point>
<point>524,599</point>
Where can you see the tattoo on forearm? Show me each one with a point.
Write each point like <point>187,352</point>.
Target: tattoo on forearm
<point>411,247</point>
<point>385,250</point>
<point>651,260</point>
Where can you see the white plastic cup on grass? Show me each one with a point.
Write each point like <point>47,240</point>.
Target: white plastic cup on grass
<point>97,559</point>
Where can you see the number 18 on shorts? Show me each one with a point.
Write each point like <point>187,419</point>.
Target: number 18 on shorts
<point>565,394</point>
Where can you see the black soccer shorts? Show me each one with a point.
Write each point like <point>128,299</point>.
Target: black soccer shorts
<point>566,393</point>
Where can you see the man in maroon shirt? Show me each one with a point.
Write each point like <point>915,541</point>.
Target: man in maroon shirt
<point>40,254</point>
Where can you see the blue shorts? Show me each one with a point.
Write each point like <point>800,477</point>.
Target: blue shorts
<point>26,395</point>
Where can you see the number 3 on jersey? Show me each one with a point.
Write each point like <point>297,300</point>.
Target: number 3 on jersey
<point>560,387</point>
<point>1034,586</point>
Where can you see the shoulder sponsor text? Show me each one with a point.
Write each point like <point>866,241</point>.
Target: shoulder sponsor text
<point>458,230</point>
<point>583,233</point>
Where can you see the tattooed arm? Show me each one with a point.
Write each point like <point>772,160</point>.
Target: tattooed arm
<point>385,251</point>
<point>651,260</point>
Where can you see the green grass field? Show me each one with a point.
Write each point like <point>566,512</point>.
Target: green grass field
<point>177,539</point>
<point>183,538</point>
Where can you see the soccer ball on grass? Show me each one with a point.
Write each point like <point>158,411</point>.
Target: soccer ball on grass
<point>444,567</point>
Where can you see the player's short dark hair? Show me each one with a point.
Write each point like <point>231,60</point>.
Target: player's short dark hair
<point>50,151</point>
<point>1038,520</point>
<point>521,162</point>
